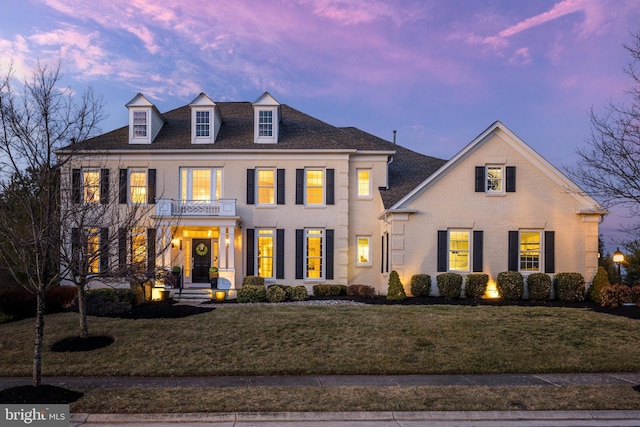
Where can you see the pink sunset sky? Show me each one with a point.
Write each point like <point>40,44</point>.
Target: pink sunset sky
<point>439,72</point>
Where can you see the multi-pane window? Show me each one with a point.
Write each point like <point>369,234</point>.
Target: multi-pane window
<point>202,124</point>
<point>363,251</point>
<point>138,186</point>
<point>459,250</point>
<point>93,248</point>
<point>139,247</point>
<point>200,184</point>
<point>529,251</point>
<point>314,181</point>
<point>91,185</point>
<point>266,186</point>
<point>139,124</point>
<point>265,245</point>
<point>265,123</point>
<point>314,251</point>
<point>364,183</point>
<point>495,179</point>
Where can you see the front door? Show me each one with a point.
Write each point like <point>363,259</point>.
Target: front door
<point>201,260</point>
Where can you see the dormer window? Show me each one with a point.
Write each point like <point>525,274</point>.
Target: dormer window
<point>139,124</point>
<point>205,120</point>
<point>202,124</point>
<point>145,121</point>
<point>266,119</point>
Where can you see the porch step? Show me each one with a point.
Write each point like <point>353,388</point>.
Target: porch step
<point>191,295</point>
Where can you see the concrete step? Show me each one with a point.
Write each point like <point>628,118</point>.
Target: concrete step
<point>191,295</point>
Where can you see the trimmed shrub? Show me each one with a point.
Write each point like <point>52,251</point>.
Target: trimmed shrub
<point>600,281</point>
<point>106,301</point>
<point>296,293</point>
<point>476,285</point>
<point>420,285</point>
<point>510,285</point>
<point>253,281</point>
<point>252,293</point>
<point>276,293</point>
<point>449,285</point>
<point>329,290</point>
<point>396,290</point>
<point>569,287</point>
<point>539,286</point>
<point>635,295</point>
<point>615,295</point>
<point>364,291</point>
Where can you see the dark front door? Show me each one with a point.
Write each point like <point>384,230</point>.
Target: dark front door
<point>201,260</point>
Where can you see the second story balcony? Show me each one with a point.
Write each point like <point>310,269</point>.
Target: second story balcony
<point>220,207</point>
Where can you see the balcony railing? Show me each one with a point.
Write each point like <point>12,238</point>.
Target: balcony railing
<point>220,207</point>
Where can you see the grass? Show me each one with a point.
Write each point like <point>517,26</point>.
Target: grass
<point>303,340</point>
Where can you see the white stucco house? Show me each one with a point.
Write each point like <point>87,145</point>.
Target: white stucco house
<point>260,188</point>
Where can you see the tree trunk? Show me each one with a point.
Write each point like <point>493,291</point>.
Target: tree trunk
<point>82,311</point>
<point>37,349</point>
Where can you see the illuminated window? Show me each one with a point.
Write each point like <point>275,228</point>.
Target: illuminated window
<point>93,249</point>
<point>139,247</point>
<point>202,124</point>
<point>266,186</point>
<point>265,245</point>
<point>494,179</point>
<point>265,123</point>
<point>139,124</point>
<point>314,181</point>
<point>91,185</point>
<point>200,184</point>
<point>314,241</point>
<point>530,251</point>
<point>363,251</point>
<point>459,250</point>
<point>138,186</point>
<point>364,183</point>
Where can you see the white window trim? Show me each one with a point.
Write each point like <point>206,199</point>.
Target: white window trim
<point>257,253</point>
<point>370,195</point>
<point>133,124</point>
<point>83,187</point>
<point>216,174</point>
<point>195,139</point>
<point>323,258</point>
<point>359,263</point>
<point>129,188</point>
<point>257,187</point>
<point>324,188</point>
<point>502,179</point>
<point>540,251</point>
<point>469,250</point>
<point>262,139</point>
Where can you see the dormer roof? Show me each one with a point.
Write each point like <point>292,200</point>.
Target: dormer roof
<point>150,120</point>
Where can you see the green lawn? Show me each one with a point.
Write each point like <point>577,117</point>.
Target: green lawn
<point>281,339</point>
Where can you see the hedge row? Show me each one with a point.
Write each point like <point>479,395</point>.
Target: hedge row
<point>274,293</point>
<point>18,302</point>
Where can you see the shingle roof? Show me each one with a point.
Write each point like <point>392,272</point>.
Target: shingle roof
<point>297,131</point>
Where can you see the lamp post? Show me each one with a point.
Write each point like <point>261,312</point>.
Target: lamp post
<point>618,258</point>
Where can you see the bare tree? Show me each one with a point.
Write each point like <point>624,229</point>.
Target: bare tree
<point>37,117</point>
<point>609,168</point>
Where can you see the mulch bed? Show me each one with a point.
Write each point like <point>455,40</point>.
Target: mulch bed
<point>42,394</point>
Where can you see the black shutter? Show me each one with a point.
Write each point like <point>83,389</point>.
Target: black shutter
<point>480,177</point>
<point>511,179</point>
<point>251,252</point>
<point>76,185</point>
<point>122,251</point>
<point>151,187</point>
<point>549,252</point>
<point>280,253</point>
<point>75,250</point>
<point>388,251</point>
<point>251,187</point>
<point>329,256</point>
<point>299,254</point>
<point>514,245</point>
<point>382,254</point>
<point>331,187</point>
<point>104,186</point>
<point>151,250</point>
<point>122,186</point>
<point>299,186</point>
<point>104,250</point>
<point>477,251</point>
<point>280,186</point>
<point>442,250</point>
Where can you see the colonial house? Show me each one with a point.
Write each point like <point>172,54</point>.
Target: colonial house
<point>264,189</point>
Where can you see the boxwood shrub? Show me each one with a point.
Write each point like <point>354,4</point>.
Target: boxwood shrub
<point>253,280</point>
<point>449,285</point>
<point>329,290</point>
<point>510,285</point>
<point>569,287</point>
<point>420,285</point>
<point>276,293</point>
<point>296,293</point>
<point>476,285</point>
<point>364,291</point>
<point>539,286</point>
<point>252,293</point>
